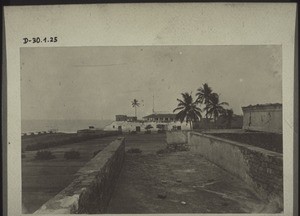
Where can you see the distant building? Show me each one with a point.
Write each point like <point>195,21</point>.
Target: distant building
<point>131,118</point>
<point>125,118</point>
<point>160,117</point>
<point>121,117</point>
<point>153,122</point>
<point>263,117</point>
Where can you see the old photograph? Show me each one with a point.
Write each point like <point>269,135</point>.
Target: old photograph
<point>152,129</point>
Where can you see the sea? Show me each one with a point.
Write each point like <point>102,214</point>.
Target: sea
<point>65,126</point>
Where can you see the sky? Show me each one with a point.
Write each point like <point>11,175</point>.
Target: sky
<point>100,82</point>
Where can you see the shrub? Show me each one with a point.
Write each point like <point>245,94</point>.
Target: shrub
<point>134,150</point>
<point>44,155</point>
<point>72,155</point>
<point>161,131</point>
<point>163,151</point>
<point>148,127</point>
<point>148,132</point>
<point>133,132</point>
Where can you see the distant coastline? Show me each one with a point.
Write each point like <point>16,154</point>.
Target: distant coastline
<point>66,126</point>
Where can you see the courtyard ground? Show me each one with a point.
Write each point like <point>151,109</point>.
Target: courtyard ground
<point>42,180</point>
<point>178,182</point>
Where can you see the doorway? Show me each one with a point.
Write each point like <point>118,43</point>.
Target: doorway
<point>138,129</point>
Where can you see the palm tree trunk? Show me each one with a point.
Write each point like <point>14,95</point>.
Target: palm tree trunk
<point>206,120</point>
<point>135,111</point>
<point>215,122</point>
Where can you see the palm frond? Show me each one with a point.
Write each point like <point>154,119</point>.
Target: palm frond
<point>178,108</point>
<point>188,108</point>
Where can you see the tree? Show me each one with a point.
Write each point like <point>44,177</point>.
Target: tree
<point>204,95</point>
<point>148,127</point>
<point>228,116</point>
<point>188,109</point>
<point>214,107</point>
<point>135,104</point>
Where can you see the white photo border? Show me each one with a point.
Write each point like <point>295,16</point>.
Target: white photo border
<point>148,24</point>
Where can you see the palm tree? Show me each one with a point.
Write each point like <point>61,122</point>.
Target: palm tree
<point>135,104</point>
<point>188,109</point>
<point>204,95</point>
<point>214,107</point>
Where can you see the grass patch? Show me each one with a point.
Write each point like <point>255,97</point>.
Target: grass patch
<point>69,155</point>
<point>44,155</point>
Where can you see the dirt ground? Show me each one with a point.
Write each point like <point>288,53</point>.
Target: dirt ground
<point>41,180</point>
<point>178,182</point>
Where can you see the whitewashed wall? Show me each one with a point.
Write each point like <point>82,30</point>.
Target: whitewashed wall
<point>267,120</point>
<point>131,126</point>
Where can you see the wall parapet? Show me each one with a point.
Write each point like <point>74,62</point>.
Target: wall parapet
<point>93,186</point>
<point>259,168</point>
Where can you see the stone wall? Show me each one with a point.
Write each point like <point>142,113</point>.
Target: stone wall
<point>261,169</point>
<point>267,118</point>
<point>93,186</point>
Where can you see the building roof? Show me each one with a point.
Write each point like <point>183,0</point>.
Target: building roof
<point>160,115</point>
<point>267,105</point>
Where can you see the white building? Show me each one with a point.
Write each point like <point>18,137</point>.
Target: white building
<point>153,122</point>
